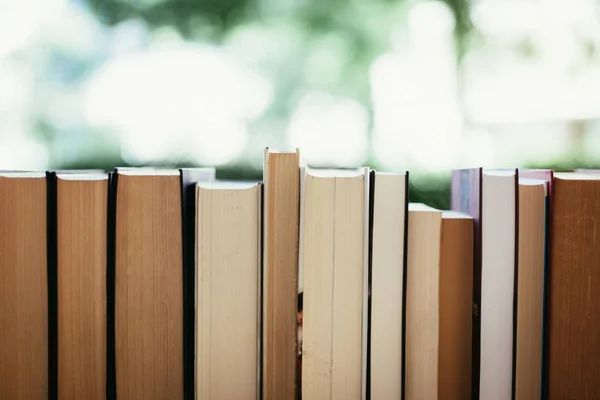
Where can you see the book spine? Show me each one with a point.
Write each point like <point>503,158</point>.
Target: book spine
<point>111,386</point>
<point>52,260</point>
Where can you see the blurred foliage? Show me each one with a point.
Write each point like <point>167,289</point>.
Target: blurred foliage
<point>349,18</point>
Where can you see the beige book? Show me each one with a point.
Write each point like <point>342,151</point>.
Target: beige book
<point>23,287</point>
<point>334,239</point>
<point>422,302</point>
<point>228,223</point>
<point>498,230</point>
<point>438,304</point>
<point>530,297</point>
<point>387,280</point>
<point>81,271</point>
<point>148,285</point>
<point>455,306</point>
<point>280,273</point>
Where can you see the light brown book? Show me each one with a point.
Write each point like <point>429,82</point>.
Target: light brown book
<point>455,306</point>
<point>389,193</point>
<point>574,308</point>
<point>438,304</point>
<point>334,240</point>
<point>228,224</point>
<point>81,271</point>
<point>280,273</point>
<point>422,302</point>
<point>148,285</point>
<point>23,286</point>
<point>530,287</point>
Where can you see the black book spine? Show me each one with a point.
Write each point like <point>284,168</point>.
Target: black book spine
<point>52,260</point>
<point>370,276</point>
<point>111,384</point>
<point>404,280</point>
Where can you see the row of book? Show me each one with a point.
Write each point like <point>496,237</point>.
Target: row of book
<point>166,284</point>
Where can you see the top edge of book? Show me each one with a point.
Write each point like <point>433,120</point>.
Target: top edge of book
<point>451,214</point>
<point>82,177</point>
<point>385,173</point>
<point>227,185</point>
<point>420,207</point>
<point>500,171</point>
<point>270,150</point>
<point>22,174</point>
<point>585,176</point>
<point>336,173</point>
<point>531,182</point>
<point>147,171</point>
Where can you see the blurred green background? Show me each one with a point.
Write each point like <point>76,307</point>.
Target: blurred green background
<point>420,85</point>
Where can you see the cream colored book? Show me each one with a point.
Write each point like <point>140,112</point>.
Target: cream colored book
<point>334,255</point>
<point>530,297</point>
<point>387,283</point>
<point>422,302</point>
<point>498,230</point>
<point>280,273</point>
<point>227,290</point>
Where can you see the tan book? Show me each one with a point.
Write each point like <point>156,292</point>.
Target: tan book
<point>389,203</point>
<point>228,225</point>
<point>530,296</point>
<point>455,306</point>
<point>23,286</point>
<point>574,299</point>
<point>81,271</point>
<point>333,250</point>
<point>422,302</point>
<point>148,285</point>
<point>280,273</point>
<point>438,304</point>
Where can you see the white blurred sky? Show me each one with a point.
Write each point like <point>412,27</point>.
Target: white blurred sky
<point>165,98</point>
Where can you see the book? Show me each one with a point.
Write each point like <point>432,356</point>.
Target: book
<point>466,198</point>
<point>81,231</point>
<point>188,179</point>
<point>280,274</point>
<point>438,304</point>
<point>530,289</point>
<point>498,265</point>
<point>24,359</point>
<point>389,193</point>
<point>334,255</point>
<point>148,284</point>
<point>546,175</point>
<point>422,302</point>
<point>228,254</point>
<point>490,197</point>
<point>455,299</point>
<point>573,318</point>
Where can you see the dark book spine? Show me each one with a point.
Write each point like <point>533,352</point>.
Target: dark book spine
<point>404,280</point>
<point>52,260</point>
<point>545,312</point>
<point>370,276</point>
<point>111,385</point>
<point>515,288</point>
